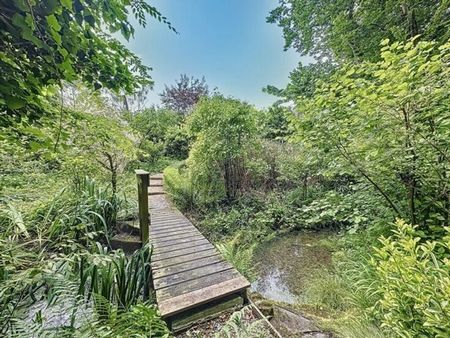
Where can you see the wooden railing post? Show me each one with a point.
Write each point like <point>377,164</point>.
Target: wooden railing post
<point>144,217</point>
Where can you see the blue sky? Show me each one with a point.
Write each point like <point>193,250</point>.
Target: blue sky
<point>227,41</point>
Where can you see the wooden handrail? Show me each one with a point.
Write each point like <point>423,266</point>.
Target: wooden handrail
<point>143,181</point>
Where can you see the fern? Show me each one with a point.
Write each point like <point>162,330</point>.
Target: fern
<point>238,326</point>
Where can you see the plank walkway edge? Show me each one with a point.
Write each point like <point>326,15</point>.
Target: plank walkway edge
<point>189,300</point>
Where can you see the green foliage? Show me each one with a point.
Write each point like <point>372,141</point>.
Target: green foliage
<point>413,284</point>
<point>238,326</point>
<point>179,187</point>
<point>240,255</point>
<point>153,124</point>
<point>303,81</point>
<point>276,123</point>
<point>141,320</point>
<point>386,124</point>
<point>177,142</point>
<point>45,42</point>
<point>83,213</point>
<point>114,277</point>
<point>353,29</point>
<point>224,129</point>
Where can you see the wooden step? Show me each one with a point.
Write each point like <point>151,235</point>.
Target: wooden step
<point>156,177</point>
<point>156,190</point>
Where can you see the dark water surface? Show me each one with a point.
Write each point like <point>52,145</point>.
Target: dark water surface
<point>286,263</point>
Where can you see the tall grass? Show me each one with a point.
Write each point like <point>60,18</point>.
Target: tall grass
<point>83,212</point>
<point>239,255</point>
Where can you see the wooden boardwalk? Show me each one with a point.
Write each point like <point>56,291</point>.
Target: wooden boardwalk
<point>189,275</point>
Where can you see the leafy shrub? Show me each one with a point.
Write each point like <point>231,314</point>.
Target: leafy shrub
<point>224,130</point>
<point>413,284</point>
<point>179,187</point>
<point>176,143</point>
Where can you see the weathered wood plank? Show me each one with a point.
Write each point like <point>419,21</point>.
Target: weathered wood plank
<point>174,233</point>
<point>181,252</point>
<point>182,259</point>
<point>195,284</point>
<point>185,266</point>
<point>176,240</point>
<point>175,247</point>
<point>159,226</point>
<point>173,305</point>
<point>188,275</point>
<point>205,311</point>
<point>162,228</point>
<point>184,236</point>
<point>169,218</point>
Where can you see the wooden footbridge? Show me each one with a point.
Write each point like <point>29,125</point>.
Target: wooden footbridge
<point>190,278</point>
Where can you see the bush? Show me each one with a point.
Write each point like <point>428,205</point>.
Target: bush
<point>413,284</point>
<point>176,143</point>
<point>179,187</point>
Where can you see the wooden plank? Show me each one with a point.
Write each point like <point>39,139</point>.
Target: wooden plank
<point>185,266</point>
<point>180,246</point>
<point>204,312</point>
<point>195,284</point>
<point>156,229</point>
<point>155,190</point>
<point>171,238</point>
<point>188,275</point>
<point>174,232</point>
<point>177,240</point>
<point>170,218</point>
<point>172,229</point>
<point>164,228</point>
<point>182,259</point>
<point>158,237</point>
<point>157,225</point>
<point>173,305</point>
<point>157,177</point>
<point>181,252</point>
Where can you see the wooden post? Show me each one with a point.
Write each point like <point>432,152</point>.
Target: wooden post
<point>144,217</point>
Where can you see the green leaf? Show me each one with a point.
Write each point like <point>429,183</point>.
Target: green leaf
<point>67,4</point>
<point>53,23</point>
<point>14,102</point>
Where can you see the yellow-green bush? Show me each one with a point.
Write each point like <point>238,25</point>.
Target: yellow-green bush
<point>179,187</point>
<point>413,284</point>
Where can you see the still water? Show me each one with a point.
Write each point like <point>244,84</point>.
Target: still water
<point>286,263</point>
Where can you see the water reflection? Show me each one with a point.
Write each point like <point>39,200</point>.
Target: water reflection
<point>287,262</point>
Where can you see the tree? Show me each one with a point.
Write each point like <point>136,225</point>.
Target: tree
<point>225,129</point>
<point>352,29</point>
<point>276,123</point>
<point>303,80</point>
<point>387,123</point>
<point>153,123</point>
<point>45,42</point>
<point>105,140</point>
<point>184,94</point>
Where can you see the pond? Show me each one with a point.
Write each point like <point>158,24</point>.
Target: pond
<point>285,264</point>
